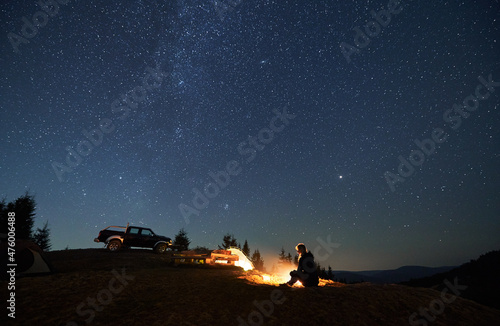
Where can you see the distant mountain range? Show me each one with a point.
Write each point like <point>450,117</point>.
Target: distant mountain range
<point>402,274</point>
<point>480,276</point>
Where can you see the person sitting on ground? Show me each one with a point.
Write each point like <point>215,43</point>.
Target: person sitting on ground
<point>306,271</point>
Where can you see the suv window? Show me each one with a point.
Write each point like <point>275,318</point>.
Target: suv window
<point>134,231</point>
<point>147,233</point>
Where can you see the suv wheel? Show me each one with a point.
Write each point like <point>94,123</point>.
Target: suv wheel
<point>161,248</point>
<point>114,245</point>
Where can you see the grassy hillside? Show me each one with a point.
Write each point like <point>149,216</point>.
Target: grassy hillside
<point>137,287</point>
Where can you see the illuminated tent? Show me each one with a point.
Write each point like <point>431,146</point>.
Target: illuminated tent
<point>243,260</point>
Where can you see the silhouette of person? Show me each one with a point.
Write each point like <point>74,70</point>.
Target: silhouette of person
<point>306,271</point>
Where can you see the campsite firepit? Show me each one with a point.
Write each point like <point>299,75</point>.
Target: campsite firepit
<point>281,276</point>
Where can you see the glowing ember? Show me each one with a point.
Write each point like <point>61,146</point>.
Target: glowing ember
<point>275,279</point>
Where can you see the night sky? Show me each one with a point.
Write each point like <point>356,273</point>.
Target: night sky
<point>378,133</point>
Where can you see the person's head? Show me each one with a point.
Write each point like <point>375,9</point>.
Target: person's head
<point>301,249</point>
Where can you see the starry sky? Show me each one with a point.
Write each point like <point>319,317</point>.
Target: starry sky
<point>369,125</point>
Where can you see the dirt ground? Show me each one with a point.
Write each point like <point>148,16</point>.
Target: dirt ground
<point>138,287</point>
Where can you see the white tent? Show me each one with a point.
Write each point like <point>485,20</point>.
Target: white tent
<point>243,260</point>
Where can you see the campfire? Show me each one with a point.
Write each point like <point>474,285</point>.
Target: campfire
<point>257,277</point>
<point>279,276</point>
<point>235,257</point>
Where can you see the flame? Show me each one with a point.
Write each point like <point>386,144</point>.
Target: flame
<point>276,279</point>
<point>280,277</point>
